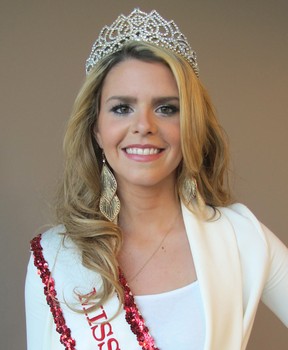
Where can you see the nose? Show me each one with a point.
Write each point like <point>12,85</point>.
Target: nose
<point>144,123</point>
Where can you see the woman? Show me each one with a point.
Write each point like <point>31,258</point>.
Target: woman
<point>151,252</point>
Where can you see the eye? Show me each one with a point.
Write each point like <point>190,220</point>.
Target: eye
<point>167,109</point>
<point>121,109</point>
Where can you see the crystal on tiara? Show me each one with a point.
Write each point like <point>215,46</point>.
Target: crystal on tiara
<point>141,26</point>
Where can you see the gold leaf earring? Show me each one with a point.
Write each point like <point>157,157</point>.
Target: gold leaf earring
<point>109,202</point>
<point>190,192</point>
<point>189,189</point>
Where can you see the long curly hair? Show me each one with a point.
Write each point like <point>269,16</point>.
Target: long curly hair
<point>204,149</point>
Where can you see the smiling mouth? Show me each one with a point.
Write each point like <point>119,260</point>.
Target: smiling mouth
<point>143,151</point>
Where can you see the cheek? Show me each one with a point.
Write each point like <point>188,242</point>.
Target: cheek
<point>98,139</point>
<point>108,135</point>
<point>103,132</point>
<point>176,141</point>
<point>97,135</point>
<point>174,136</point>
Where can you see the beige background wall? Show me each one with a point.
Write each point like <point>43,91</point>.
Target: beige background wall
<point>242,48</point>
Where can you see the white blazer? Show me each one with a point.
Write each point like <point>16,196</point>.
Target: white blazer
<point>238,261</point>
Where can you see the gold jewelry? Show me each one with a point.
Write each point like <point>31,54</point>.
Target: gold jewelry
<point>155,251</point>
<point>189,189</point>
<point>190,192</point>
<point>109,202</point>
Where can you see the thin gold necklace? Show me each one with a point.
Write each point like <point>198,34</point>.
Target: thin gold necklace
<point>155,251</point>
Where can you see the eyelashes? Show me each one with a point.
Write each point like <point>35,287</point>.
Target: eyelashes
<point>168,109</point>
<point>123,109</point>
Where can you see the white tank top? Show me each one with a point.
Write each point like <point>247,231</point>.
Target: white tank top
<point>175,319</point>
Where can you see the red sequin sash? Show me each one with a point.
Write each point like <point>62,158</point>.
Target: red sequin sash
<point>135,319</point>
<point>51,295</point>
<point>133,316</point>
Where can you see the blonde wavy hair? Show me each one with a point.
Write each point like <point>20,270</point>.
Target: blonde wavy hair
<point>205,158</point>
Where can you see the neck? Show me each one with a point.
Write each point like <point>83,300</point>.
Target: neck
<point>147,209</point>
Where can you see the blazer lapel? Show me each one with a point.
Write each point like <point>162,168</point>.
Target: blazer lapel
<point>215,253</point>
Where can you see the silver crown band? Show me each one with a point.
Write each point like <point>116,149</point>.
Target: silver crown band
<point>141,26</point>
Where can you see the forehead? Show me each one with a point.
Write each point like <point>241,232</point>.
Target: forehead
<point>133,76</point>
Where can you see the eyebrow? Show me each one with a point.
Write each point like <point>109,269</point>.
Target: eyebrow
<point>155,100</point>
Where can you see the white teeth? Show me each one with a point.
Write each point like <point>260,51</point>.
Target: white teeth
<point>142,151</point>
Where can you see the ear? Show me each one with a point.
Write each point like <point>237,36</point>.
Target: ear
<point>97,136</point>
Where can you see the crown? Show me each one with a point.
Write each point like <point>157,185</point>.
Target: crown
<point>141,26</point>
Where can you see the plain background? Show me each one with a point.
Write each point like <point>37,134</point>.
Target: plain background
<point>242,49</point>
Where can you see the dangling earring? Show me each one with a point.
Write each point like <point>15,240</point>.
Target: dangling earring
<point>190,192</point>
<point>109,202</point>
<point>189,189</point>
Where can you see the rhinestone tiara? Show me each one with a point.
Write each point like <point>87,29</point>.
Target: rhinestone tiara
<point>141,26</point>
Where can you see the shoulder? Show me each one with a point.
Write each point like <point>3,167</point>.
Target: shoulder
<point>52,238</point>
<point>251,234</point>
<point>55,245</point>
<point>242,217</point>
<point>63,258</point>
<point>238,211</point>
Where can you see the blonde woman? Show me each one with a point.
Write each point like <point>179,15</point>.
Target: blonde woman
<point>151,252</point>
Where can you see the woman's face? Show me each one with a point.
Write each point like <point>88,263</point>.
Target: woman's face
<point>138,124</point>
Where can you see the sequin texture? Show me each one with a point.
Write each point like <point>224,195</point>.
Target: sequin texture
<point>135,319</point>
<point>51,295</point>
